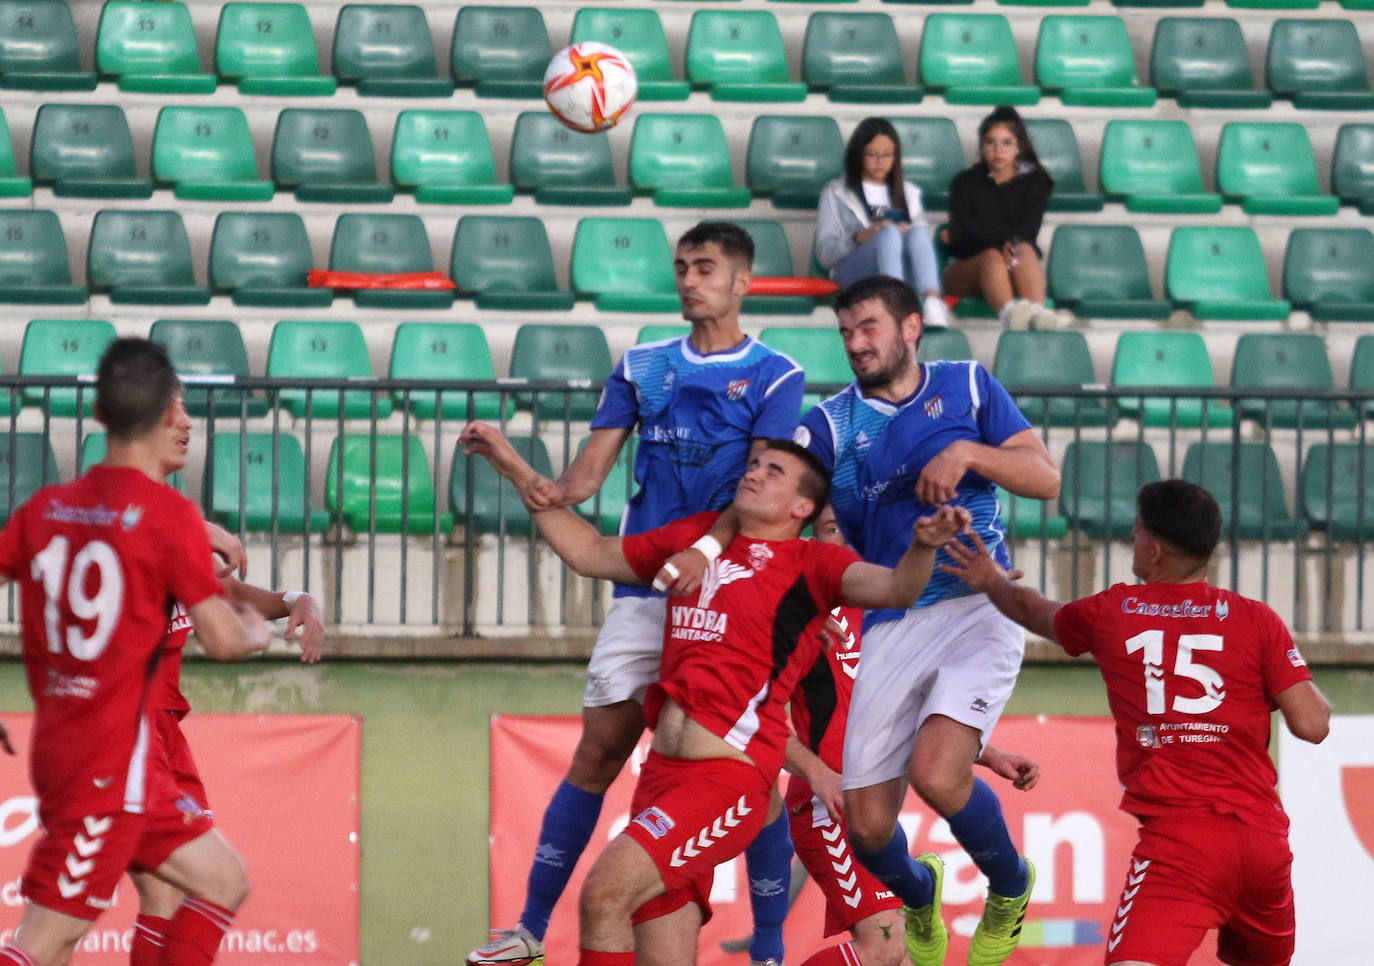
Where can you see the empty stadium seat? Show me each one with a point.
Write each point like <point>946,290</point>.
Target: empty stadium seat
<point>85,151</point>
<point>213,349</point>
<point>1157,3</point>
<point>1087,61</point>
<point>820,353</point>
<point>269,48</point>
<point>638,34</point>
<point>856,58</point>
<point>1203,62</point>
<point>445,157</point>
<point>27,463</point>
<point>1153,166</point>
<point>1287,360</point>
<point>206,154</point>
<point>507,263</point>
<point>971,59</point>
<point>1319,64</point>
<point>386,245</point>
<point>256,482</point>
<point>1269,169</point>
<point>326,155</point>
<point>1057,148</point>
<point>772,259</point>
<point>386,50</point>
<point>655,333</point>
<point>486,502</point>
<point>1218,273</point>
<point>383,480</point>
<point>683,161</point>
<point>142,258</point>
<point>11,185</point>
<point>1100,482</point>
<point>606,507</point>
<point>443,351</point>
<point>1362,373</point>
<point>1337,490</point>
<point>1027,518</point>
<point>625,264</point>
<point>1032,360</point>
<point>1329,273</point>
<point>1352,166</point>
<point>943,344</point>
<point>501,51</point>
<point>34,266</point>
<point>932,155</point>
<point>1247,487</point>
<point>561,166</point>
<point>63,347</point>
<point>790,159</point>
<point>738,55</point>
<point>323,350</point>
<point>1099,271</point>
<point>38,48</point>
<point>262,258</point>
<point>149,46</point>
<point>561,352</point>
<point>1166,358</point>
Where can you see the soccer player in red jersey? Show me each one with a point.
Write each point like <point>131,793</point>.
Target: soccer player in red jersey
<point>99,562</point>
<point>1192,673</point>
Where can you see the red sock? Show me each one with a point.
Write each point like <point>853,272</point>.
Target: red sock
<point>594,957</point>
<point>841,955</point>
<point>150,935</point>
<point>12,955</point>
<point>193,936</point>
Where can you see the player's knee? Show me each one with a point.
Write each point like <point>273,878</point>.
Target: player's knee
<point>597,761</point>
<point>600,898</point>
<point>943,788</point>
<point>867,833</point>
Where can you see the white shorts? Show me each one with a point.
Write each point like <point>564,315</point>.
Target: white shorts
<point>958,658</point>
<point>627,652</point>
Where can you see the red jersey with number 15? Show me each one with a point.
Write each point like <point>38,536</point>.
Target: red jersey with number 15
<point>1191,673</point>
<point>99,561</point>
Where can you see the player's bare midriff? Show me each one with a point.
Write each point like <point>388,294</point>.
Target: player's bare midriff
<point>678,736</point>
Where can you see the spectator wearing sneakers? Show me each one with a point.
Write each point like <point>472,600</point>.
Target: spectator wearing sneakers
<point>871,221</point>
<point>995,209</point>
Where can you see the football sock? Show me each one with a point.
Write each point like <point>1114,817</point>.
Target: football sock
<point>193,936</point>
<point>594,957</point>
<point>769,861</point>
<point>150,935</point>
<point>12,955</point>
<point>981,830</point>
<point>895,868</point>
<point>841,955</point>
<point>568,824</point>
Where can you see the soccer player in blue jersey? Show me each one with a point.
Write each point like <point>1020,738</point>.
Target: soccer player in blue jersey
<point>903,438</point>
<point>700,405</point>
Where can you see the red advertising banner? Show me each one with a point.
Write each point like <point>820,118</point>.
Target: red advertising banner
<point>1069,825</point>
<point>284,789</point>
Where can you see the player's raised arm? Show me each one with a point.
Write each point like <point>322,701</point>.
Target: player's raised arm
<point>584,476</point>
<point>228,632</point>
<point>875,587</point>
<point>1306,711</point>
<point>229,548</point>
<point>1020,464</point>
<point>301,610</point>
<point>1025,605</point>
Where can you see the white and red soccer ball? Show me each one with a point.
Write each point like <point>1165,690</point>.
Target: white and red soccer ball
<point>590,86</point>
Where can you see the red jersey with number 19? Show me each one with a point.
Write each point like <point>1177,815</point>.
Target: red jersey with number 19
<point>1191,673</point>
<point>100,561</point>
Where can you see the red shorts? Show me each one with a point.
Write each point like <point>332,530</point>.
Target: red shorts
<point>690,816</point>
<point>1197,872</point>
<point>176,752</point>
<point>852,893</point>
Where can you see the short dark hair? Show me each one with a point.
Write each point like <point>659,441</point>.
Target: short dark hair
<point>735,242</point>
<point>134,385</point>
<point>899,298</point>
<point>868,129</point>
<point>1182,514</point>
<point>815,478</point>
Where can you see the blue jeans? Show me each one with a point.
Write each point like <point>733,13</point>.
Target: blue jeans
<point>909,256</point>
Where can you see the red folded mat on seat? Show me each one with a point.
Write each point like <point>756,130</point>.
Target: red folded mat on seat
<point>322,278</point>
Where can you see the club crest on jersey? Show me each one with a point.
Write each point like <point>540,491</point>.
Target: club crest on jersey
<point>654,821</point>
<point>861,441</point>
<point>935,406</point>
<point>759,555</point>
<point>1222,609</point>
<point>717,575</point>
<point>131,517</point>
<point>1146,736</point>
<point>736,388</point>
<point>1295,657</point>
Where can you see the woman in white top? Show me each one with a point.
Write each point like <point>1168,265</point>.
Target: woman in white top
<point>871,221</point>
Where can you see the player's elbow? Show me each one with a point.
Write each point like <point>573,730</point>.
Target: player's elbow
<point>1307,712</point>
<point>1313,727</point>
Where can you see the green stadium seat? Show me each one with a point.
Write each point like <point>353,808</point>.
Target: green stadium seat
<point>149,46</point>
<point>386,50</point>
<point>444,157</point>
<point>1319,64</point>
<point>1295,361</point>
<point>1035,360</point>
<point>820,353</point>
<point>443,351</point>
<point>932,155</point>
<point>943,344</point>
<point>970,58</point>
<point>1152,166</point>
<point>1337,490</point>
<point>638,34</point>
<point>1274,4</point>
<point>85,151</point>
<point>1057,148</point>
<point>256,482</point>
<point>261,259</point>
<point>507,263</point>
<point>625,264</point>
<point>1329,273</point>
<point>1352,166</point>
<point>1218,273</point>
<point>1027,518</point>
<point>1247,487</point>
<point>501,51</point>
<point>1203,62</point>
<point>1163,358</point>
<point>772,259</point>
<point>387,245</point>
<point>561,166</point>
<point>323,350</point>
<point>856,58</point>
<point>1100,482</point>
<point>1269,169</point>
<point>27,463</point>
<point>494,505</point>
<point>383,481</point>
<point>269,48</point>
<point>326,156</point>
<point>575,353</point>
<point>606,507</point>
<point>63,347</point>
<point>790,159</point>
<point>1087,62</point>
<point>1362,372</point>
<point>210,349</point>
<point>1099,272</point>
<point>38,48</point>
<point>1157,3</point>
<point>11,184</point>
<point>34,267</point>
<point>206,154</point>
<point>142,258</point>
<point>683,161</point>
<point>657,333</point>
<point>738,55</point>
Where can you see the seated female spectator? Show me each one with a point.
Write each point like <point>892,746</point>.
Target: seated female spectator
<point>871,221</point>
<point>995,208</point>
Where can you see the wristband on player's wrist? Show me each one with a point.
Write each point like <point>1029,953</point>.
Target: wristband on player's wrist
<point>289,597</point>
<point>709,547</point>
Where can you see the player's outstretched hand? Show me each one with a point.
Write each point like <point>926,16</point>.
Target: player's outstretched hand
<point>939,480</point>
<point>942,526</point>
<point>975,566</point>
<point>835,633</point>
<point>828,786</point>
<point>229,549</point>
<point>305,614</point>
<point>484,439</point>
<point>1021,771</point>
<point>5,740</point>
<point>682,572</point>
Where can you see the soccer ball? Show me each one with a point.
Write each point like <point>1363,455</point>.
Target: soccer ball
<point>590,86</point>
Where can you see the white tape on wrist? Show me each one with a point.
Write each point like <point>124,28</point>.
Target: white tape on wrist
<point>709,546</point>
<point>671,570</point>
<point>290,597</point>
